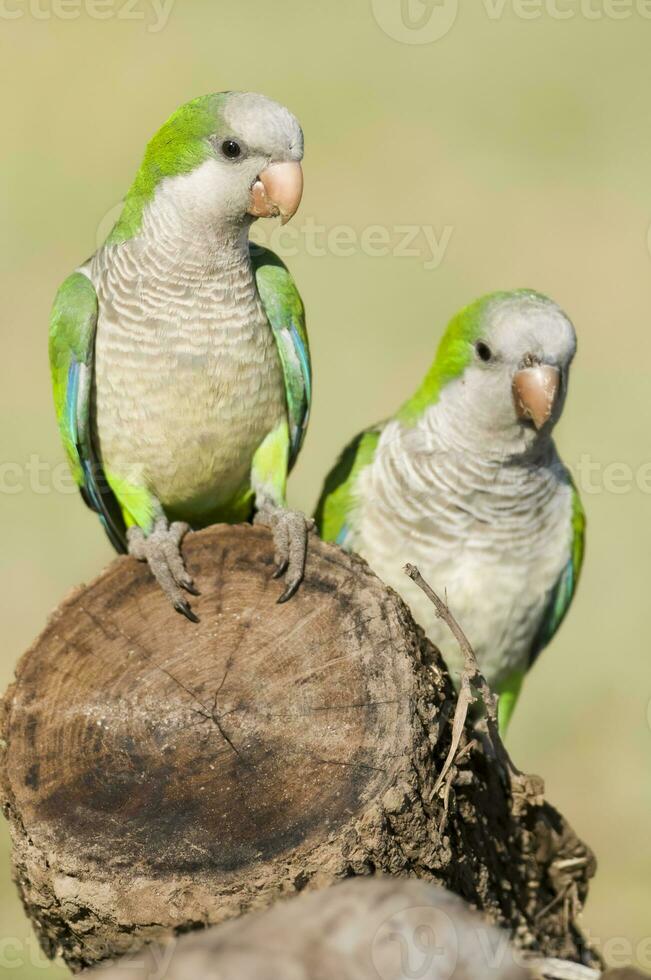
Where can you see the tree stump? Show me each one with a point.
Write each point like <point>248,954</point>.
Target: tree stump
<point>159,775</point>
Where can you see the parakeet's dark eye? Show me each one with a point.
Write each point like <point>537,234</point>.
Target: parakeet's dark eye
<point>484,353</point>
<point>231,149</point>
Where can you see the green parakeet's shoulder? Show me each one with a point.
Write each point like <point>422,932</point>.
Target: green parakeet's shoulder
<point>179,147</point>
<point>337,499</point>
<point>73,324</point>
<point>286,314</point>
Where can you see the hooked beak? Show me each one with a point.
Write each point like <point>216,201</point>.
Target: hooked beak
<point>277,191</point>
<point>535,391</point>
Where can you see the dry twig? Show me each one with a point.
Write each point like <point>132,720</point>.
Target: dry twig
<point>525,790</point>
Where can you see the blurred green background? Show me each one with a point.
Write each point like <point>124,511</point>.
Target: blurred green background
<point>523,144</point>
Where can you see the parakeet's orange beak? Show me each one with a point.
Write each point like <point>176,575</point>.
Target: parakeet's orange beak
<point>535,391</point>
<point>277,191</point>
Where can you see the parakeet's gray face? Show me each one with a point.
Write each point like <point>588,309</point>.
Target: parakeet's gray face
<point>254,167</point>
<point>518,378</point>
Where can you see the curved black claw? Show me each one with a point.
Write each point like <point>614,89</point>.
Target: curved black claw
<point>186,610</point>
<point>280,571</point>
<point>291,590</point>
<point>161,549</point>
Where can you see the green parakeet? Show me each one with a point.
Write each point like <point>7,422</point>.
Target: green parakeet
<point>179,354</point>
<point>465,481</point>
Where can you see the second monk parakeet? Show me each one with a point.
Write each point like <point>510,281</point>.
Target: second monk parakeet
<point>466,483</point>
<point>179,353</point>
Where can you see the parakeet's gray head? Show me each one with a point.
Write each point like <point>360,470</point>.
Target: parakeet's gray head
<point>220,161</point>
<point>503,368</point>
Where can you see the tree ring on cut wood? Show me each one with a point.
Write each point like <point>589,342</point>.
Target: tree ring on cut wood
<point>160,775</point>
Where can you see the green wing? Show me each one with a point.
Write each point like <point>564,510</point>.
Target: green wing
<point>286,315</point>
<point>562,594</point>
<point>73,324</point>
<point>335,510</point>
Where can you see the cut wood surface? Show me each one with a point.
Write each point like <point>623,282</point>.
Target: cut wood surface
<point>159,775</point>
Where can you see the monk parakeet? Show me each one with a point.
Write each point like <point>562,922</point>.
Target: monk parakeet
<point>179,353</point>
<point>466,483</point>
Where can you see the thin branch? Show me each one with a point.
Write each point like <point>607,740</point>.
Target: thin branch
<point>526,790</point>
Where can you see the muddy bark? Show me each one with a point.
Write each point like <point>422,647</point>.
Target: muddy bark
<point>160,776</point>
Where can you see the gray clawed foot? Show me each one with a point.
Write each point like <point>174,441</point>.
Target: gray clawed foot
<point>290,529</point>
<point>162,551</point>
